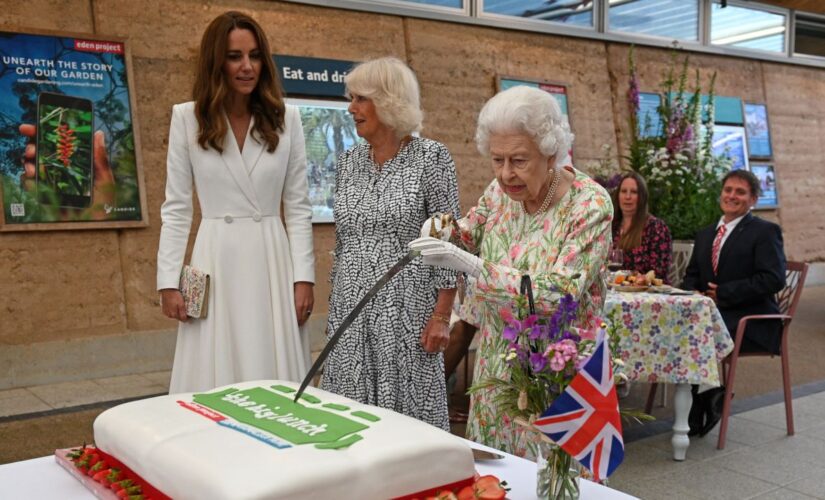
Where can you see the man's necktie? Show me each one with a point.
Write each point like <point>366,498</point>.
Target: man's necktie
<point>717,245</point>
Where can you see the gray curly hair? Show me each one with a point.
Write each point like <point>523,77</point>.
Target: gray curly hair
<point>528,110</point>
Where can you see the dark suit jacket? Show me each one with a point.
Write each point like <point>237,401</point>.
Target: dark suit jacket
<point>751,271</point>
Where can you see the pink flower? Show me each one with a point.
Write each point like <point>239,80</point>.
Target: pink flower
<point>515,251</point>
<point>558,363</point>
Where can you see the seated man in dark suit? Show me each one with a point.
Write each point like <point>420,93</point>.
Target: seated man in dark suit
<point>739,262</point>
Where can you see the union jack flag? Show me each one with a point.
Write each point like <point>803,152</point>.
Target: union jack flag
<point>584,419</point>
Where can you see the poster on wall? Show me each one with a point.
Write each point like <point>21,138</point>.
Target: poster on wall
<point>557,90</point>
<point>767,182</point>
<point>729,141</point>
<point>69,149</point>
<point>328,131</point>
<point>758,131</point>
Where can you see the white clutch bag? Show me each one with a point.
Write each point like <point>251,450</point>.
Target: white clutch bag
<point>194,286</point>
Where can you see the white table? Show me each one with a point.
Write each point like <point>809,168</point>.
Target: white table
<point>43,478</point>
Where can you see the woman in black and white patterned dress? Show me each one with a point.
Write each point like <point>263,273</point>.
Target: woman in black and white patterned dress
<point>391,356</point>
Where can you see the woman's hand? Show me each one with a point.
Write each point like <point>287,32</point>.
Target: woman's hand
<point>304,300</point>
<point>443,254</point>
<point>171,302</point>
<point>436,336</point>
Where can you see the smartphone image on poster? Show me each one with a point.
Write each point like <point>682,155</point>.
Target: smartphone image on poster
<point>65,126</point>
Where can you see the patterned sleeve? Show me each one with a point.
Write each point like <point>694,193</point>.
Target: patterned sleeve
<point>441,196</point>
<point>657,247</point>
<point>579,263</point>
<point>472,226</point>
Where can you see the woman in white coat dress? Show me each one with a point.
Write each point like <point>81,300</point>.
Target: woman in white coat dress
<point>242,150</point>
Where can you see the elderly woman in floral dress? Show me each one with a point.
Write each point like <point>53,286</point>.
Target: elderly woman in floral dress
<point>537,217</point>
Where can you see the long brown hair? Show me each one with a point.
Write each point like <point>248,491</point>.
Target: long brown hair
<point>633,237</point>
<point>266,102</point>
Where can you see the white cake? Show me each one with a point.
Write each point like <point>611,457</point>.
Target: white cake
<point>202,446</point>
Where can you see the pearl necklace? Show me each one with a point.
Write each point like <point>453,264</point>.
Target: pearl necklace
<point>547,199</point>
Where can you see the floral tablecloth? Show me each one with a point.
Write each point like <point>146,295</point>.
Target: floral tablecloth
<point>669,338</point>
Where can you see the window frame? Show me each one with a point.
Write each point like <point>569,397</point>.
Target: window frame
<point>700,15</point>
<point>745,51</point>
<point>793,52</point>
<point>539,24</point>
<point>472,14</point>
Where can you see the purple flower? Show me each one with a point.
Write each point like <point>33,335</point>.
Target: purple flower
<point>537,361</point>
<point>539,332</point>
<point>510,333</point>
<point>633,93</point>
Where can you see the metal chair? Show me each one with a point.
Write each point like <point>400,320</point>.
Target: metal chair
<point>788,299</point>
<point>682,250</point>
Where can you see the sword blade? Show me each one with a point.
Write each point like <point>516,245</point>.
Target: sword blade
<point>398,266</point>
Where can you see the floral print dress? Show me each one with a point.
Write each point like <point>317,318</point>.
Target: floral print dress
<point>564,250</point>
<point>655,252</point>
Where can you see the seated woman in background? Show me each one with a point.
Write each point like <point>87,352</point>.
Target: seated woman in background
<point>644,239</point>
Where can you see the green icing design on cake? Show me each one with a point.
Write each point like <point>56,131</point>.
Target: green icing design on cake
<point>310,398</point>
<point>336,406</point>
<point>283,388</point>
<point>366,416</point>
<point>344,443</point>
<point>282,417</point>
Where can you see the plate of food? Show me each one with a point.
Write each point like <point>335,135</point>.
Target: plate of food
<point>635,281</point>
<point>628,288</point>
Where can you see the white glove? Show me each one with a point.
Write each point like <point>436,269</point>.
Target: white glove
<point>438,226</point>
<point>443,254</point>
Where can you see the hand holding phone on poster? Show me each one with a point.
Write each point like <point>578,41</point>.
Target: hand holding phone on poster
<point>103,187</point>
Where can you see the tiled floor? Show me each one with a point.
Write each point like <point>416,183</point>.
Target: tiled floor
<point>44,398</point>
<point>759,460</point>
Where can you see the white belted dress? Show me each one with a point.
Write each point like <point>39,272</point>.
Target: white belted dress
<point>251,331</point>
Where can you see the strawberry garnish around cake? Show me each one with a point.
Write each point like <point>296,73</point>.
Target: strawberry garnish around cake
<point>489,488</point>
<point>129,492</point>
<point>483,488</point>
<point>119,485</point>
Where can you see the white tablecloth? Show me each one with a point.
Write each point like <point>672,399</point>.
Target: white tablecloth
<point>43,478</point>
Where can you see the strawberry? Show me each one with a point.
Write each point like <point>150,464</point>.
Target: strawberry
<point>127,492</point>
<point>446,495</point>
<point>93,459</point>
<point>489,488</point>
<point>119,485</point>
<point>97,467</point>
<point>100,476</point>
<point>113,476</point>
<point>467,493</point>
<point>74,455</point>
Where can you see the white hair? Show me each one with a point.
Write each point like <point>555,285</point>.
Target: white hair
<point>393,89</point>
<point>527,110</point>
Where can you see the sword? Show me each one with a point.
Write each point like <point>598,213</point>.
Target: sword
<point>401,264</point>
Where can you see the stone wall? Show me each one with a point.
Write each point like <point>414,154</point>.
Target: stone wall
<point>95,290</point>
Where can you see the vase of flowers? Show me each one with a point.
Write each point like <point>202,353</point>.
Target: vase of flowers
<point>543,355</point>
<point>683,175</point>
